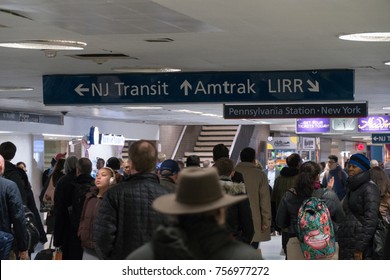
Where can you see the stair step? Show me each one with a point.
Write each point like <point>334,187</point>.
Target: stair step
<point>218,133</point>
<point>203,149</point>
<point>220,127</point>
<point>215,138</point>
<point>213,143</point>
<point>199,154</point>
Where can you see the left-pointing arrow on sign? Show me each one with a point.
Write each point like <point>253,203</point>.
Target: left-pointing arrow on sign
<point>79,89</point>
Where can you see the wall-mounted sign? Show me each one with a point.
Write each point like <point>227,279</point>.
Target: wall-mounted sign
<point>282,143</point>
<point>374,124</point>
<point>313,125</point>
<point>344,124</point>
<point>380,138</point>
<point>219,87</point>
<point>308,143</point>
<point>96,138</point>
<point>302,110</point>
<point>32,118</point>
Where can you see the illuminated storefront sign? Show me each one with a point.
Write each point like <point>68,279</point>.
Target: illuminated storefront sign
<point>96,138</point>
<point>318,125</point>
<point>374,124</point>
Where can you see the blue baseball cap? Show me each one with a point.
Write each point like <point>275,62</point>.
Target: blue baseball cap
<point>169,167</point>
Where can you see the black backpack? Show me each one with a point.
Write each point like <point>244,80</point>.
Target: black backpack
<point>32,229</point>
<point>78,198</point>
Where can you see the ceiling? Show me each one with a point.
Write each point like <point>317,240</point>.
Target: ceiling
<point>213,35</point>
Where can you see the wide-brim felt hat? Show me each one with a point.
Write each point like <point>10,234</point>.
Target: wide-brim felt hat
<point>198,191</point>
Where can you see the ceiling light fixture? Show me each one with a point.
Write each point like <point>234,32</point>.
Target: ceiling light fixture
<point>7,89</point>
<point>387,63</point>
<point>367,37</point>
<point>386,108</point>
<point>45,45</point>
<point>145,70</point>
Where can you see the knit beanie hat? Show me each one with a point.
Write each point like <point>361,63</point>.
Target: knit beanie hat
<point>360,161</point>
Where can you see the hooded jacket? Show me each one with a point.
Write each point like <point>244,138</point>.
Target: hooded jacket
<point>288,179</point>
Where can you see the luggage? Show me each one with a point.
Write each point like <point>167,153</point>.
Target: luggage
<point>46,254</point>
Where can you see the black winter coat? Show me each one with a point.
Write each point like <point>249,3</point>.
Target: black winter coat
<point>361,207</point>
<point>126,219</point>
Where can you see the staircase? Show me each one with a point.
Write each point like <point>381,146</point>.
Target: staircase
<point>210,136</point>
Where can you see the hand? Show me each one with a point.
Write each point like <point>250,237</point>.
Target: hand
<point>23,255</point>
<point>330,183</point>
<point>358,255</point>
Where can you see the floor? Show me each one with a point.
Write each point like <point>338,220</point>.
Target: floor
<point>271,249</point>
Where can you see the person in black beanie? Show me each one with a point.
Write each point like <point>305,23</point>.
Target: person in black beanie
<point>361,206</point>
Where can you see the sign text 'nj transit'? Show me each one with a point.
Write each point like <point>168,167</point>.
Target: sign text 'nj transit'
<point>221,87</point>
<point>285,111</point>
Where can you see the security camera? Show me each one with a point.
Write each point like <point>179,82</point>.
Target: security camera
<point>64,113</point>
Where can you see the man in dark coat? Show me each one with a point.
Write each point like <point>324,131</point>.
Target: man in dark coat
<point>126,219</point>
<point>361,206</point>
<point>12,212</point>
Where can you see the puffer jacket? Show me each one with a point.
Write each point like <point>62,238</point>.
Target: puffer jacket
<point>361,206</point>
<point>12,212</point>
<point>204,240</point>
<point>126,219</point>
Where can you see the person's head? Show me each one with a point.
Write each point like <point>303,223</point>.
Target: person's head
<point>70,164</point>
<point>225,167</point>
<point>181,164</point>
<point>8,150</point>
<point>332,162</point>
<point>58,170</point>
<point>105,177</point>
<point>126,167</point>
<point>113,163</point>
<point>169,168</point>
<point>161,157</point>
<point>22,166</point>
<point>271,163</point>
<point>308,174</point>
<point>198,194</point>
<point>220,151</point>
<point>193,160</point>
<point>206,163</point>
<point>323,165</point>
<point>381,179</point>
<point>100,163</point>
<point>248,155</point>
<point>358,163</point>
<point>142,156</point>
<point>374,163</point>
<point>294,161</point>
<point>84,166</point>
<point>2,165</point>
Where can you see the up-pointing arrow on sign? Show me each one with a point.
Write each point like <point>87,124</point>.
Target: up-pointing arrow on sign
<point>186,85</point>
<point>314,87</point>
<point>79,89</point>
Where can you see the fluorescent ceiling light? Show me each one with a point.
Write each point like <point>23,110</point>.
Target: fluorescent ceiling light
<point>386,108</point>
<point>45,45</point>
<point>387,63</point>
<point>143,108</point>
<point>145,70</point>
<point>367,37</point>
<point>62,135</point>
<point>15,88</point>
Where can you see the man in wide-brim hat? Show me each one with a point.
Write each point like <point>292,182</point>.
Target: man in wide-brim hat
<point>198,215</point>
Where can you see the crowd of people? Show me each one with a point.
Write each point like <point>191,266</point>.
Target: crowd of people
<point>151,207</point>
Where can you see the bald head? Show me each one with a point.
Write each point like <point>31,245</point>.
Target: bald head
<point>1,165</point>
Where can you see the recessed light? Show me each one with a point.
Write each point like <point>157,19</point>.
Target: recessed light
<point>367,37</point>
<point>143,108</point>
<point>145,70</point>
<point>45,45</point>
<point>15,88</point>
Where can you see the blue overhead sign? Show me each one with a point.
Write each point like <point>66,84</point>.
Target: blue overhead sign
<point>209,87</point>
<point>380,138</point>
